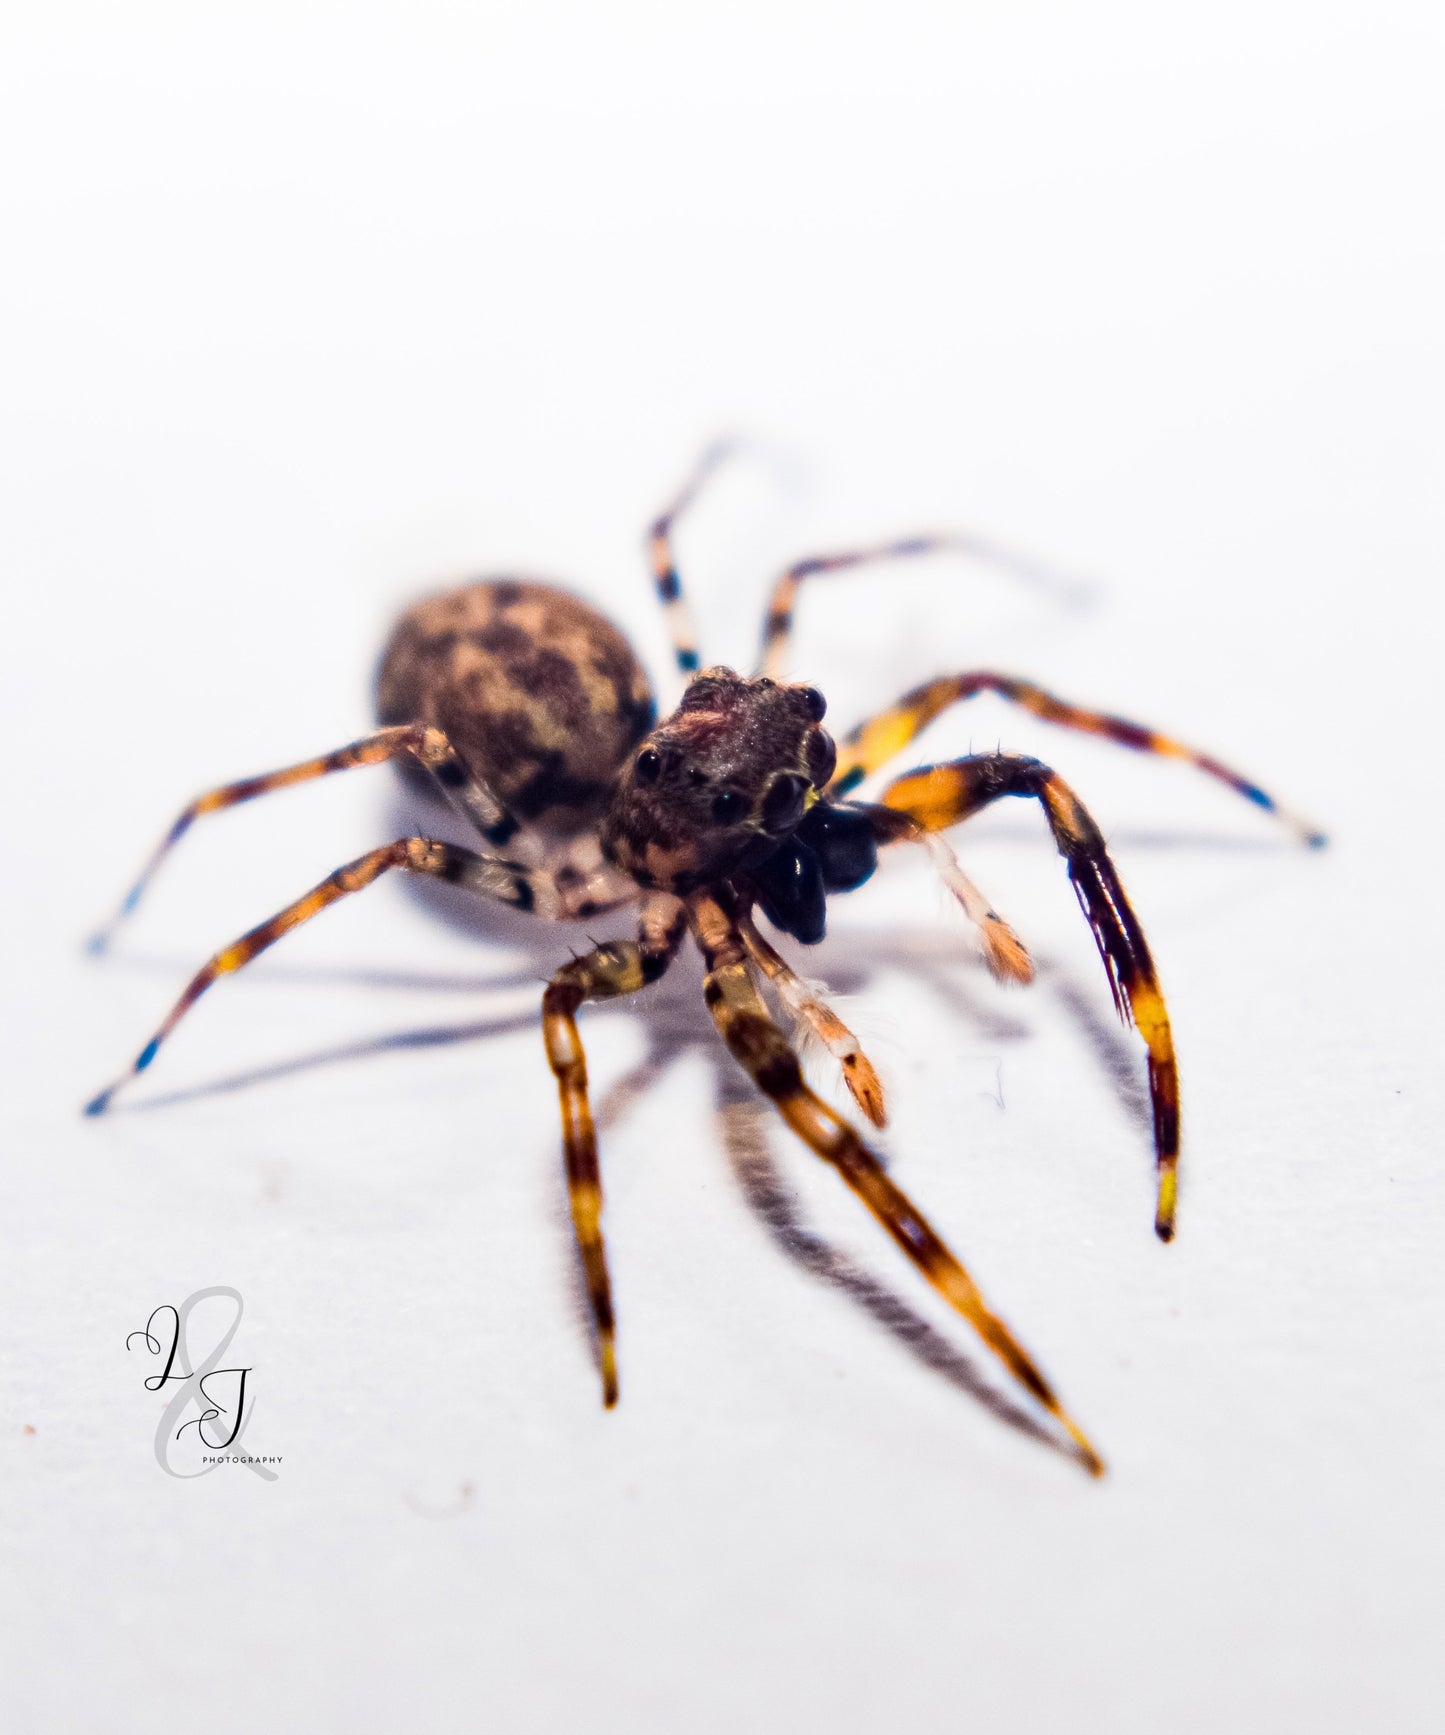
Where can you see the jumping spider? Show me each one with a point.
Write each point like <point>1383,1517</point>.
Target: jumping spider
<point>534,716</point>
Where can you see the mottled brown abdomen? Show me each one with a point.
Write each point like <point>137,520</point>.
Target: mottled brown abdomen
<point>540,696</point>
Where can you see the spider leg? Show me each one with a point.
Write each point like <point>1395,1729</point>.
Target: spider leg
<point>762,1050</point>
<point>778,620</point>
<point>620,967</point>
<point>1004,952</point>
<point>873,743</point>
<point>664,562</point>
<point>510,882</point>
<point>942,795</point>
<point>807,1006</point>
<point>428,746</point>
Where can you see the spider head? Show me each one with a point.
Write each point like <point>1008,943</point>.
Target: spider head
<point>721,782</point>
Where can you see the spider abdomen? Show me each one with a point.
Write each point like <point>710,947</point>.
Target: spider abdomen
<point>541,697</point>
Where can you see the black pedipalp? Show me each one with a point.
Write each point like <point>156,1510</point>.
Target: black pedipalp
<point>844,841</point>
<point>833,850</point>
<point>790,888</point>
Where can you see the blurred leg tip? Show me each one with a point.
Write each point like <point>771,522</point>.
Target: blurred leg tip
<point>1083,1450</point>
<point>1168,1199</point>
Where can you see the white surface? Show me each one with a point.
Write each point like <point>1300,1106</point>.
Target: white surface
<point>307,309</point>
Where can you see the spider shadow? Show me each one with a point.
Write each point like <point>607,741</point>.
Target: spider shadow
<point>340,1054</point>
<point>744,1121</point>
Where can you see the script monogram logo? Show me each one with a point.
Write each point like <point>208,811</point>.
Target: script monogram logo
<point>217,1393</point>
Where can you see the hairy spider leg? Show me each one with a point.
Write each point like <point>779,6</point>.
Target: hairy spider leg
<point>1003,951</point>
<point>938,796</point>
<point>514,883</point>
<point>869,746</point>
<point>778,620</point>
<point>680,624</point>
<point>807,1006</point>
<point>762,1050</point>
<point>428,746</point>
<point>620,967</point>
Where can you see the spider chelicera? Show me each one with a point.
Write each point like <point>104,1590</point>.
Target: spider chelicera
<point>534,716</point>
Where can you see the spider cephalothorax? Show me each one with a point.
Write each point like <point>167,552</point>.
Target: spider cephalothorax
<point>531,714</point>
<point>718,786</point>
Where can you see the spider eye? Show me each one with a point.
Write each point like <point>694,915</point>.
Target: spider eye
<point>783,804</point>
<point>816,703</point>
<point>647,766</point>
<point>729,807</point>
<point>822,758</point>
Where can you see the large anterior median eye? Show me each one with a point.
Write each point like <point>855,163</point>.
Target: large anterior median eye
<point>647,766</point>
<point>729,807</point>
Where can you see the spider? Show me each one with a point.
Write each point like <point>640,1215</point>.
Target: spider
<point>533,715</point>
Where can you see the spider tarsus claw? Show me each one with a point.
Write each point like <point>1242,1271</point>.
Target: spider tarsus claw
<point>866,1091</point>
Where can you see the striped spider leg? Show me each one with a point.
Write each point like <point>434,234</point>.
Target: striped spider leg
<point>868,747</point>
<point>939,796</point>
<point>509,882</point>
<point>426,746</point>
<point>806,1005</point>
<point>763,1051</point>
<point>619,967</point>
<point>782,604</point>
<point>872,743</point>
<point>680,624</point>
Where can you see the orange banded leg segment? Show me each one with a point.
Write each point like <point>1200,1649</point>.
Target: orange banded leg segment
<point>1003,951</point>
<point>873,743</point>
<point>762,1050</point>
<point>942,795</point>
<point>778,621</point>
<point>621,967</point>
<point>680,623</point>
<point>807,1006</point>
<point>509,882</point>
<point>428,746</point>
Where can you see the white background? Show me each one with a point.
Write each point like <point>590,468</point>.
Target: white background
<point>307,308</point>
